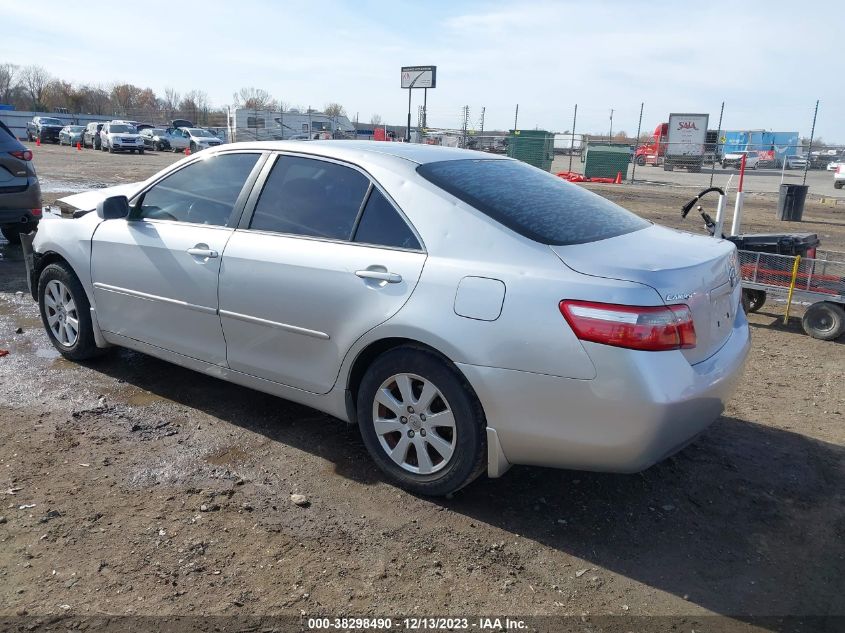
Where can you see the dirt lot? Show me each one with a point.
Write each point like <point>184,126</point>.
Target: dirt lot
<point>135,487</point>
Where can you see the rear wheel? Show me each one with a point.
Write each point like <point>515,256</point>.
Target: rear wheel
<point>837,184</point>
<point>640,160</point>
<point>824,320</point>
<point>66,313</point>
<point>753,300</point>
<point>421,423</point>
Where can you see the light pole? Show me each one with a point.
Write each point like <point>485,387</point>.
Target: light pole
<point>610,135</point>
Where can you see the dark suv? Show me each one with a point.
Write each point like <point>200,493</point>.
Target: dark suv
<point>20,193</point>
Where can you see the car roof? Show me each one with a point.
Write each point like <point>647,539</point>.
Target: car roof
<point>352,150</point>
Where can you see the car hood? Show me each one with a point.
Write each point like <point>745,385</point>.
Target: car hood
<point>88,200</point>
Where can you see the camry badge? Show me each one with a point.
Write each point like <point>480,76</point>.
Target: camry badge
<point>683,296</point>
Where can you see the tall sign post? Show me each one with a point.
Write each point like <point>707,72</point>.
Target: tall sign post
<point>424,77</point>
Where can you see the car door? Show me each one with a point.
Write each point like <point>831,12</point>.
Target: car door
<point>321,257</point>
<point>155,273</point>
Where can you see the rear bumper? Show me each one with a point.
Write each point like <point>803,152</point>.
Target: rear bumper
<point>17,207</point>
<point>641,407</point>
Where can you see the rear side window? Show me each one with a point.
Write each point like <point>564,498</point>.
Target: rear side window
<point>531,202</point>
<point>312,197</point>
<point>381,224</point>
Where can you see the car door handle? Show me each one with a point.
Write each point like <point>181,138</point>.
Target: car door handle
<point>391,278</point>
<point>202,252</point>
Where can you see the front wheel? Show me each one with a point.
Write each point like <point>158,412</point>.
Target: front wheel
<point>824,320</point>
<point>141,151</point>
<point>421,422</point>
<point>838,184</point>
<point>66,313</point>
<point>640,161</point>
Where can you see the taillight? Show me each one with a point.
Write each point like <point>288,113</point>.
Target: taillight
<point>23,154</point>
<point>839,169</point>
<point>811,253</point>
<point>649,328</point>
<point>35,212</point>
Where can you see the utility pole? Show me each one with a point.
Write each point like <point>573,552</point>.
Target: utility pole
<point>465,125</point>
<point>610,134</point>
<point>515,116</point>
<point>481,133</point>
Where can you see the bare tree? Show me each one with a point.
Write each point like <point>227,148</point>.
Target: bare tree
<point>147,101</point>
<point>255,99</point>
<point>375,119</point>
<point>171,100</point>
<point>125,97</point>
<point>97,99</point>
<point>8,81</point>
<point>334,109</point>
<point>35,80</point>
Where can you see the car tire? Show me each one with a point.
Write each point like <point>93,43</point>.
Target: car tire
<point>824,320</point>
<point>110,149</point>
<point>29,136</point>
<point>12,233</point>
<point>59,286</point>
<point>640,161</point>
<point>141,151</point>
<point>753,300</point>
<point>838,184</point>
<point>193,147</point>
<point>455,453</point>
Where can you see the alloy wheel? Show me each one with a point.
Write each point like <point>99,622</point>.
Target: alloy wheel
<point>62,316</point>
<point>414,424</point>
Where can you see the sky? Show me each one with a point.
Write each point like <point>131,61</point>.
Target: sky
<point>768,60</point>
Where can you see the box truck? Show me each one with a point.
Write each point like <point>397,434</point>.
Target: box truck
<point>685,141</point>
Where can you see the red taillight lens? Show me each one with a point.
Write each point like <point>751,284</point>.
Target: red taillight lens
<point>811,253</point>
<point>35,212</point>
<point>649,328</point>
<point>23,154</point>
<point>839,169</point>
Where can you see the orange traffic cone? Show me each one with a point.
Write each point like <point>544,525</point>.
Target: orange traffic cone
<point>618,180</point>
<point>37,141</point>
<point>78,146</point>
<point>187,151</point>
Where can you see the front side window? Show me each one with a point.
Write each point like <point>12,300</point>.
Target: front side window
<point>532,202</point>
<point>204,192</point>
<point>381,224</point>
<point>312,197</point>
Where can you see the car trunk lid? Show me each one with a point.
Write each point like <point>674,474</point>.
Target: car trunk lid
<point>683,268</point>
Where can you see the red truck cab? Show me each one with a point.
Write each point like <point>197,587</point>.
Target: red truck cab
<point>650,153</point>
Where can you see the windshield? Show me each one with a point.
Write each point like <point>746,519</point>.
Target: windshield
<point>157,131</point>
<point>75,128</point>
<point>48,121</point>
<point>203,133</point>
<point>532,202</point>
<point>122,129</point>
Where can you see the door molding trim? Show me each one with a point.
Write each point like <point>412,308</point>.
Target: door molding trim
<point>148,297</point>
<point>275,324</point>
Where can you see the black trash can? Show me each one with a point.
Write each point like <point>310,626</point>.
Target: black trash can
<point>791,202</point>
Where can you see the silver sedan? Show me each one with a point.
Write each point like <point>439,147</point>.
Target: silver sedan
<point>466,311</point>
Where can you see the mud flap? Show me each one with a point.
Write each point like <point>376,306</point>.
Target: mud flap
<point>29,261</point>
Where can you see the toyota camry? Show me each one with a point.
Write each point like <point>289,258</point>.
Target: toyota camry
<point>467,311</point>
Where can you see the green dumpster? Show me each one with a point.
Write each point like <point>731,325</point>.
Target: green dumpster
<point>535,147</point>
<point>605,160</point>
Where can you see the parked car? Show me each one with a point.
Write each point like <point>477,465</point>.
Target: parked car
<point>734,159</point>
<point>466,311</point>
<point>178,142</point>
<point>91,135</point>
<point>831,166</point>
<point>44,128</point>
<point>155,138</point>
<point>71,134</point>
<point>120,137</point>
<point>20,193</point>
<point>839,177</point>
<point>199,139</point>
<point>794,161</point>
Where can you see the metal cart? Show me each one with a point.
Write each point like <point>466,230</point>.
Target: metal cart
<point>817,282</point>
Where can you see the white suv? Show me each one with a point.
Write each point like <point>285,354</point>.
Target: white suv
<point>839,176</point>
<point>119,136</point>
<point>734,159</point>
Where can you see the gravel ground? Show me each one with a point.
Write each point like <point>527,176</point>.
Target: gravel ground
<point>136,487</point>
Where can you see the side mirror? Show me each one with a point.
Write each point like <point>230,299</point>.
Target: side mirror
<point>113,208</point>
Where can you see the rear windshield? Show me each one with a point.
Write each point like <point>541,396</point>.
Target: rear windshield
<point>531,202</point>
<point>126,129</point>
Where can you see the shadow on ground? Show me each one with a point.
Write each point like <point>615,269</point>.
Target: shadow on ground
<point>748,521</point>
